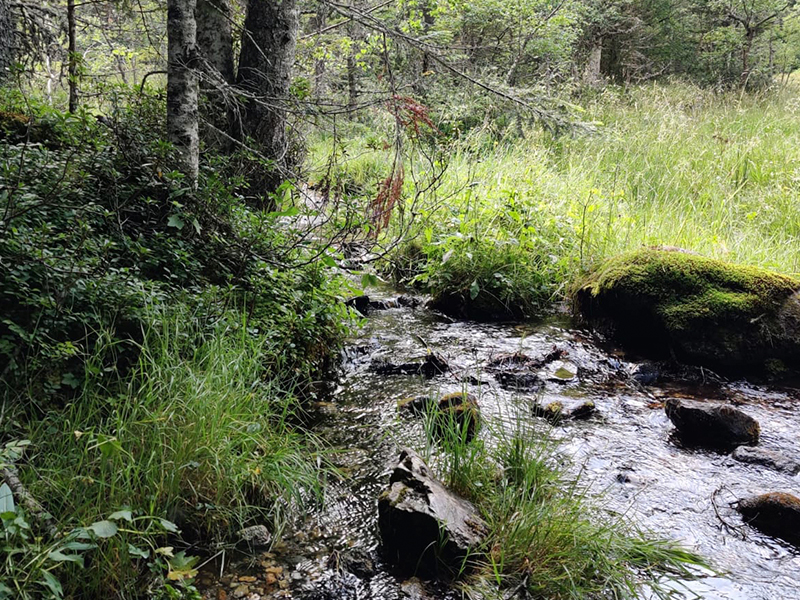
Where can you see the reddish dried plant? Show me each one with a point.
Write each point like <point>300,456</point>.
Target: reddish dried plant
<point>389,194</point>
<point>411,114</point>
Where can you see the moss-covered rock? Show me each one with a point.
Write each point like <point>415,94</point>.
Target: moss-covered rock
<point>698,309</point>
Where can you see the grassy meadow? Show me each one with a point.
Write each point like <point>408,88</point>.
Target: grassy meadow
<point>520,212</point>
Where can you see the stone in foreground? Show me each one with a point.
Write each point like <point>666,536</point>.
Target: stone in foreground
<point>776,514</point>
<point>710,424</point>
<point>257,536</point>
<point>425,528</point>
<point>700,310</point>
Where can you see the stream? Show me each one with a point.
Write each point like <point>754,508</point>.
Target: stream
<point>625,452</point>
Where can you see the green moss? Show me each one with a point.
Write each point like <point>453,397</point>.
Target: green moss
<point>696,309</point>
<point>683,288</point>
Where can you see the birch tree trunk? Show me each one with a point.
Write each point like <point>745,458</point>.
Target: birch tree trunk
<point>182,86</point>
<point>7,41</point>
<point>265,70</point>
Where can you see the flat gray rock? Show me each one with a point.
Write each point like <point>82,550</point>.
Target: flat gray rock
<point>424,527</point>
<point>767,458</point>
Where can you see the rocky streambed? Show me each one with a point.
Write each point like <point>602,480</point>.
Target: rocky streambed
<point>606,409</point>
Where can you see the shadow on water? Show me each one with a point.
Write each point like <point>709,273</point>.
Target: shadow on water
<point>626,451</point>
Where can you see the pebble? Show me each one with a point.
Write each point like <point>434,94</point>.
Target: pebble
<point>241,591</point>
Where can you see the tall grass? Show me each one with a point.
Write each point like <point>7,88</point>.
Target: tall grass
<point>677,165</point>
<point>546,538</point>
<point>195,435</point>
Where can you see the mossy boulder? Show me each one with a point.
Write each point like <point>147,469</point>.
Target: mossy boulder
<point>776,514</point>
<point>697,309</point>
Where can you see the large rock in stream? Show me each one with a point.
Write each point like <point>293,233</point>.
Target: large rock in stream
<point>776,514</point>
<point>700,310</point>
<point>710,424</point>
<point>425,528</point>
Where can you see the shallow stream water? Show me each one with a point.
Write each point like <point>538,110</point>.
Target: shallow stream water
<point>625,453</point>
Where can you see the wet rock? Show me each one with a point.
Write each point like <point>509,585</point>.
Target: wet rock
<point>414,405</point>
<point>430,367</point>
<point>257,536</point>
<point>646,373</point>
<point>366,305</point>
<point>522,362</point>
<point>702,311</point>
<point>424,527</point>
<point>357,561</point>
<point>458,413</point>
<point>409,301</point>
<point>519,381</point>
<point>710,424</point>
<point>776,514</point>
<point>563,410</point>
<point>767,458</point>
<point>562,371</point>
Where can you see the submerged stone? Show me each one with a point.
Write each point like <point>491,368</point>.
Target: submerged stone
<point>776,514</point>
<point>701,310</point>
<point>710,424</point>
<point>562,371</point>
<point>424,527</point>
<point>767,458</point>
<point>564,410</point>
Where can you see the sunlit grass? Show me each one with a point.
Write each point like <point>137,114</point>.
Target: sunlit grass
<point>671,165</point>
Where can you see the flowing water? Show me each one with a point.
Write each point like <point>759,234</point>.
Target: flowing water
<point>625,452</point>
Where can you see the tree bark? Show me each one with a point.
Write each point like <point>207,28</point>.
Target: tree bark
<point>265,70</point>
<point>591,74</point>
<point>320,67</point>
<point>182,86</point>
<point>72,57</point>
<point>8,41</point>
<point>215,39</point>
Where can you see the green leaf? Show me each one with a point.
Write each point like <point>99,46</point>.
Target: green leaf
<point>51,583</point>
<point>78,546</point>
<point>104,529</point>
<point>369,280</point>
<point>474,290</point>
<point>138,552</point>
<point>121,514</point>
<point>176,222</point>
<point>328,261</point>
<point>6,499</point>
<point>169,526</point>
<point>58,556</point>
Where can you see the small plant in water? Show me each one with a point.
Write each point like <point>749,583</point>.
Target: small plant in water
<point>545,539</point>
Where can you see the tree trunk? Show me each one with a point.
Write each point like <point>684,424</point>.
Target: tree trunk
<point>265,69</point>
<point>352,84</point>
<point>320,67</point>
<point>8,41</point>
<point>72,57</point>
<point>746,48</point>
<point>591,74</point>
<point>182,86</point>
<point>215,49</point>
<point>215,40</point>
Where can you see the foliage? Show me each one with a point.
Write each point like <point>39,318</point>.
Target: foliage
<point>672,165</point>
<point>544,534</point>
<point>96,228</point>
<point>195,435</point>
